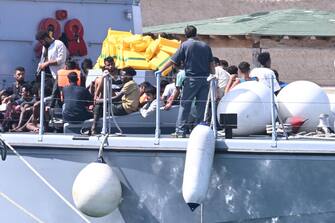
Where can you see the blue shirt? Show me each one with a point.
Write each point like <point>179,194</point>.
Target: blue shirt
<point>244,80</point>
<point>196,56</point>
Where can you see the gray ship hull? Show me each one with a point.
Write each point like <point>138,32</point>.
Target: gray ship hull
<point>247,184</point>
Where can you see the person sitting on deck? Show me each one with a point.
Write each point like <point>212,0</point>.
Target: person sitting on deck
<point>151,102</point>
<point>108,69</point>
<point>23,106</point>
<point>14,92</point>
<point>244,71</point>
<point>32,123</point>
<point>76,101</point>
<point>86,65</point>
<point>9,96</point>
<point>264,74</point>
<point>127,100</point>
<point>171,87</point>
<point>224,64</point>
<point>222,77</point>
<point>70,67</point>
<point>180,78</point>
<point>233,71</point>
<point>143,99</point>
<point>281,83</point>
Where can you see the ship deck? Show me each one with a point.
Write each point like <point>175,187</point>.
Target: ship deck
<point>147,142</point>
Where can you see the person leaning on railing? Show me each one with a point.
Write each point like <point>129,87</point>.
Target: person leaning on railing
<point>197,58</point>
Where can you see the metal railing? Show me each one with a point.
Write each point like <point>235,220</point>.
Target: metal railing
<point>107,101</point>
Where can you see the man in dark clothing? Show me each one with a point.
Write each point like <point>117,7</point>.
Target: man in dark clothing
<point>14,92</point>
<point>197,58</point>
<point>76,101</point>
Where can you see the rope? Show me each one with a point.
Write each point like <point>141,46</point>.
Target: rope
<point>110,110</point>
<point>45,182</point>
<point>101,149</point>
<point>21,208</point>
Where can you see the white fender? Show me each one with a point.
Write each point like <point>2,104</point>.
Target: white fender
<point>96,190</point>
<point>198,165</point>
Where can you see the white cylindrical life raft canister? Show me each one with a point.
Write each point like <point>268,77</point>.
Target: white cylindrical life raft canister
<point>198,165</point>
<point>97,190</point>
<point>304,99</point>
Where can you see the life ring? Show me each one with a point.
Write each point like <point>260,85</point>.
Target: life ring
<point>77,47</point>
<point>50,25</point>
<point>73,29</point>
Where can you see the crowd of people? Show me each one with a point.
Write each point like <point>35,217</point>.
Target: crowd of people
<point>65,86</point>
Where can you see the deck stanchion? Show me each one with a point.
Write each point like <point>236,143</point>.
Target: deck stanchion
<point>213,105</point>
<point>273,118</point>
<point>110,102</point>
<point>41,130</point>
<point>158,90</point>
<point>104,110</point>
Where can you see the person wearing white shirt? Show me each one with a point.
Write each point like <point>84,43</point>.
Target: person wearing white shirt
<point>168,91</point>
<point>264,74</point>
<point>222,77</point>
<point>151,104</point>
<point>53,59</point>
<point>53,53</point>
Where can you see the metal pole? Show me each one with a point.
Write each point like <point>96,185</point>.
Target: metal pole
<point>158,114</point>
<point>213,105</point>
<point>110,94</point>
<point>201,213</point>
<point>104,110</point>
<point>41,130</point>
<point>273,118</point>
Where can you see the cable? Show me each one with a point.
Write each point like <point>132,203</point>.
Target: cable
<point>45,182</point>
<point>21,208</point>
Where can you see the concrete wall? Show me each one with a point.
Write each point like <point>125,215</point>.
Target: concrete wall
<point>309,64</point>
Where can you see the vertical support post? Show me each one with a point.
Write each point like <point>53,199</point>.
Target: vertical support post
<point>273,118</point>
<point>213,105</point>
<point>158,114</point>
<point>104,110</point>
<point>109,105</point>
<point>42,107</point>
<point>202,213</point>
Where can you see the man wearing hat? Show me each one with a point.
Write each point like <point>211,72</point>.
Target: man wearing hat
<point>76,101</point>
<point>127,100</point>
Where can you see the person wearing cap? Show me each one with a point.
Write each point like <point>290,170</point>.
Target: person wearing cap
<point>127,100</point>
<point>124,102</point>
<point>77,99</point>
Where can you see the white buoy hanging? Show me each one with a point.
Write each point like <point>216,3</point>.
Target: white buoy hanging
<point>198,165</point>
<point>97,190</point>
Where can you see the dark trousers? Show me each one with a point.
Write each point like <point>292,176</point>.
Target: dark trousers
<point>55,95</point>
<point>193,89</point>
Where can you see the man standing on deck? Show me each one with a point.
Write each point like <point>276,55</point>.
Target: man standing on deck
<point>197,58</point>
<point>53,59</point>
